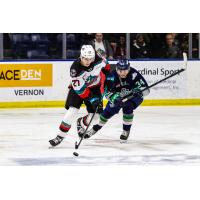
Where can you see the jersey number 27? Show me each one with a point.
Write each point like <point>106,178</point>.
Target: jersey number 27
<point>76,83</point>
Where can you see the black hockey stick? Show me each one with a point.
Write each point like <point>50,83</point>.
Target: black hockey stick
<point>164,79</point>
<point>77,144</point>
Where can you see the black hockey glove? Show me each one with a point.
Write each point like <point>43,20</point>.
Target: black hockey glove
<point>137,92</point>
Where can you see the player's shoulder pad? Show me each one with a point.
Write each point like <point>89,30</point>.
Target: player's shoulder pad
<point>75,68</point>
<point>137,75</point>
<point>134,73</point>
<point>132,69</point>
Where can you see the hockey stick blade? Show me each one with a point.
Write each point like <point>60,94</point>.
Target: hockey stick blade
<point>76,145</point>
<point>185,60</point>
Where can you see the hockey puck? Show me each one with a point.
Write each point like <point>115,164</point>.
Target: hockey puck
<point>75,154</point>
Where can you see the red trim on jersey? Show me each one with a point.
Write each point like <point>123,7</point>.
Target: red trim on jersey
<point>102,81</point>
<point>107,67</point>
<point>85,94</point>
<point>93,86</point>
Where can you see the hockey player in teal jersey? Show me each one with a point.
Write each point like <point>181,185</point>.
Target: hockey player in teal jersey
<point>123,92</point>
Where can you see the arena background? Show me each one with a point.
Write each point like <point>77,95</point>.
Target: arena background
<point>140,182</point>
<point>35,66</point>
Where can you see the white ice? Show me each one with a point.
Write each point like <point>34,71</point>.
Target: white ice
<point>159,136</point>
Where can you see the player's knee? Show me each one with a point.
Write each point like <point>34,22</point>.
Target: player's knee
<point>70,115</point>
<point>136,102</point>
<point>68,118</point>
<point>111,110</point>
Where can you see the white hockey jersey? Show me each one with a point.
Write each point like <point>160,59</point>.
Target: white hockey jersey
<point>84,78</point>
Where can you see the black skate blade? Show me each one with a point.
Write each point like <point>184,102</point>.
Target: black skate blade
<point>76,145</point>
<point>123,141</point>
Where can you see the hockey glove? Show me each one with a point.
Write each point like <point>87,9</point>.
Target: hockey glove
<point>95,101</point>
<point>134,93</point>
<point>114,98</point>
<point>137,92</point>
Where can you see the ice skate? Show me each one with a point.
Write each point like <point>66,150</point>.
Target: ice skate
<point>124,136</point>
<point>56,141</point>
<point>89,133</point>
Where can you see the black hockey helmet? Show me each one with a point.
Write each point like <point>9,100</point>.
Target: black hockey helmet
<point>123,64</point>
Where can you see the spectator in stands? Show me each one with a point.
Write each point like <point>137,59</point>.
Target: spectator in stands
<point>102,46</point>
<point>175,38</point>
<point>113,39</point>
<point>170,50</point>
<point>121,48</point>
<point>139,49</point>
<point>147,37</point>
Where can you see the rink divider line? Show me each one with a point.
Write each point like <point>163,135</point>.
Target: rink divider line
<point>147,102</point>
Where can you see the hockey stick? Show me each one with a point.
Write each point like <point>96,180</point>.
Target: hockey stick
<point>77,144</point>
<point>101,56</point>
<point>154,84</point>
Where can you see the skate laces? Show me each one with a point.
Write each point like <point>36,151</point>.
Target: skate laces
<point>57,139</point>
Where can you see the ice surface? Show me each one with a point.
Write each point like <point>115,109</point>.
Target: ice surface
<point>159,136</point>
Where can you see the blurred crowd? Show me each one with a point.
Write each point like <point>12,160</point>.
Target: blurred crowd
<point>111,45</point>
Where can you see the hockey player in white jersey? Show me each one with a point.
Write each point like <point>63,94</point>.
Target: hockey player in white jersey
<point>87,85</point>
